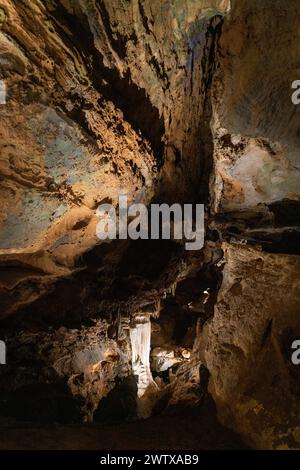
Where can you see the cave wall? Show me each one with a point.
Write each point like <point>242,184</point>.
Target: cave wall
<point>101,97</point>
<point>256,152</point>
<point>254,187</point>
<point>247,346</point>
<point>180,101</point>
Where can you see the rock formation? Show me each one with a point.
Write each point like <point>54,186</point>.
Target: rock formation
<point>171,101</point>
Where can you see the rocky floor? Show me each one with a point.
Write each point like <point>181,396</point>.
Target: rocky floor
<point>187,429</point>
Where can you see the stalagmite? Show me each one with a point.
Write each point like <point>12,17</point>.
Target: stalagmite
<point>140,337</point>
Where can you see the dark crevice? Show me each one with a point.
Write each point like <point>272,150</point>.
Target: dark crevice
<point>115,39</point>
<point>286,213</point>
<point>209,65</point>
<point>144,16</point>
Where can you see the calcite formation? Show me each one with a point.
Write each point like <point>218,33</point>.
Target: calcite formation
<point>176,101</point>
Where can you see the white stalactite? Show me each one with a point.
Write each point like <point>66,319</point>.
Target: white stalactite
<point>140,337</point>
